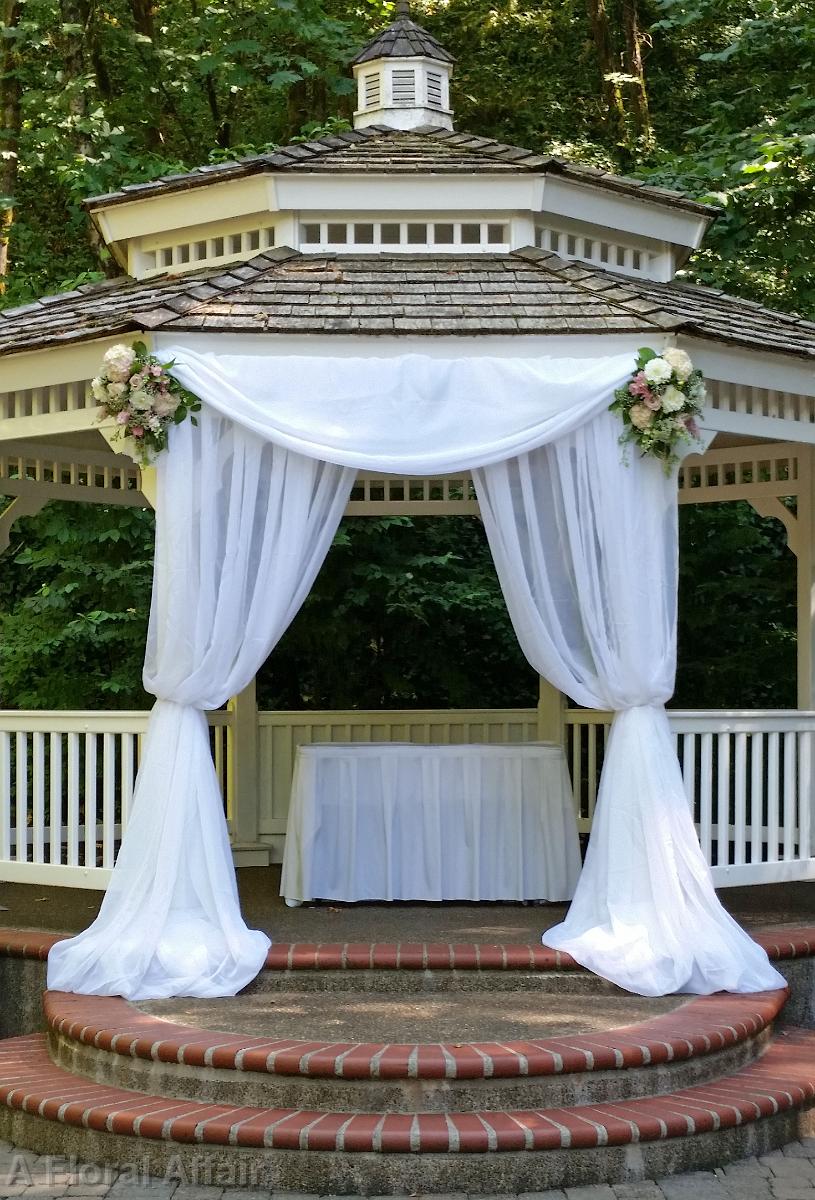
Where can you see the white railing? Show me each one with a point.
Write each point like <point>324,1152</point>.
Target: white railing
<point>66,784</point>
<point>748,776</point>
<point>66,779</point>
<point>280,733</point>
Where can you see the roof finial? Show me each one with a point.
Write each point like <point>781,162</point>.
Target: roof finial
<point>402,9</point>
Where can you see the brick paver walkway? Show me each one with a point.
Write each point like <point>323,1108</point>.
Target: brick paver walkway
<point>787,1174</point>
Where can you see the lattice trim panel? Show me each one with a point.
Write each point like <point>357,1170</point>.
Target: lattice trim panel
<point>42,401</point>
<point>601,252</point>
<point>378,495</point>
<point>395,234</point>
<point>739,472</point>
<point>193,252</point>
<point>24,467</point>
<point>760,402</point>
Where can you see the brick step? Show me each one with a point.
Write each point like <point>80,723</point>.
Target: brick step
<point>112,1042</point>
<point>517,1149</point>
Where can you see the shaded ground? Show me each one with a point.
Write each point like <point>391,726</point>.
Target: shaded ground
<point>447,1017</point>
<point>31,906</point>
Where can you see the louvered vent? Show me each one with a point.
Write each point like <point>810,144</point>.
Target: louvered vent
<point>404,87</point>
<point>434,89</point>
<point>373,90</point>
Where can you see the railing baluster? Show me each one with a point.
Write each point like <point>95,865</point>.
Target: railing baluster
<point>773,831</point>
<point>805,794</point>
<point>90,799</point>
<point>790,824</point>
<point>723,854</point>
<point>73,799</point>
<point>21,797</point>
<point>5,795</point>
<point>740,805</point>
<point>38,796</point>
<point>757,798</point>
<point>108,797</point>
<point>706,795</point>
<point>55,797</point>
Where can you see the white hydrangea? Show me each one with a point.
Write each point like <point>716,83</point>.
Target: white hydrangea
<point>140,400</point>
<point>657,371</point>
<point>118,361</point>
<point>680,361</point>
<point>672,399</point>
<point>99,389</point>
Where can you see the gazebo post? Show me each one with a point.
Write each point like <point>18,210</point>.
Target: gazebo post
<point>243,797</point>
<point>550,713</point>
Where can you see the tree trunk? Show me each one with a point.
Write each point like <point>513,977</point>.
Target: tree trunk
<point>10,92</point>
<point>636,89</point>
<point>601,32</point>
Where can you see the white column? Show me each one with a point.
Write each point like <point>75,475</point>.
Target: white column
<point>805,551</point>
<point>242,771</point>
<point>550,713</point>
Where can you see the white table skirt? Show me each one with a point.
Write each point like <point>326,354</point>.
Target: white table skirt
<point>389,821</point>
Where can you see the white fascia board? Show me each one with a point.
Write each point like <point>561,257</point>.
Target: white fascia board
<point>631,214</point>
<point>422,193</point>
<point>385,346</point>
<point>52,365</point>
<point>755,368</point>
<point>180,210</point>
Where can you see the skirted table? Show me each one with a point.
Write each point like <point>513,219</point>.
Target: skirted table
<point>396,821</point>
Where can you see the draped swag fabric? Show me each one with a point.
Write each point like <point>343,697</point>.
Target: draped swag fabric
<point>586,550</point>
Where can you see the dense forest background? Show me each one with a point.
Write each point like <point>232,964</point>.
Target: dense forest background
<point>714,97</point>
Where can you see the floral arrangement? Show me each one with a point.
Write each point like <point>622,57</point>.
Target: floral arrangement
<point>138,391</point>
<point>660,403</point>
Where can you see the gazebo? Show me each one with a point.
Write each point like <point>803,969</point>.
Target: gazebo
<point>382,251</point>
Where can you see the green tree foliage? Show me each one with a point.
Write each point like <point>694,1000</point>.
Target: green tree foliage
<point>74,595</point>
<point>405,613</point>
<point>712,96</point>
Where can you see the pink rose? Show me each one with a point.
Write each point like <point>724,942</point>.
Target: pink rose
<point>136,380</point>
<point>652,401</point>
<point>123,417</point>
<point>155,370</point>
<point>137,431</point>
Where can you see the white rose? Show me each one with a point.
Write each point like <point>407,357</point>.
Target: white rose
<point>140,401</point>
<point>672,399</point>
<point>118,361</point>
<point>117,389</point>
<point>680,361</point>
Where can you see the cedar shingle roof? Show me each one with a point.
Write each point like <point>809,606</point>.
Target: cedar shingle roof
<point>403,39</point>
<point>284,292</point>
<point>379,149</point>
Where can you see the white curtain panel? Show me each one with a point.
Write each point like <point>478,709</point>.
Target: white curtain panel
<point>586,552</point>
<point>242,527</point>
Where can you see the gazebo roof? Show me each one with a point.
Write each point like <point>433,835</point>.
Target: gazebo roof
<point>282,292</point>
<point>379,149</point>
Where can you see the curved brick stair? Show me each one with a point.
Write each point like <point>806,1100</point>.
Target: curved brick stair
<point>710,1080</point>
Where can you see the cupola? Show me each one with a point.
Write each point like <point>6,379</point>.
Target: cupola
<point>403,77</point>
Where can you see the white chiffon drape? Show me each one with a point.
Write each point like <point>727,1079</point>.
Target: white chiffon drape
<point>248,503</point>
<point>242,527</point>
<point>586,552</point>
